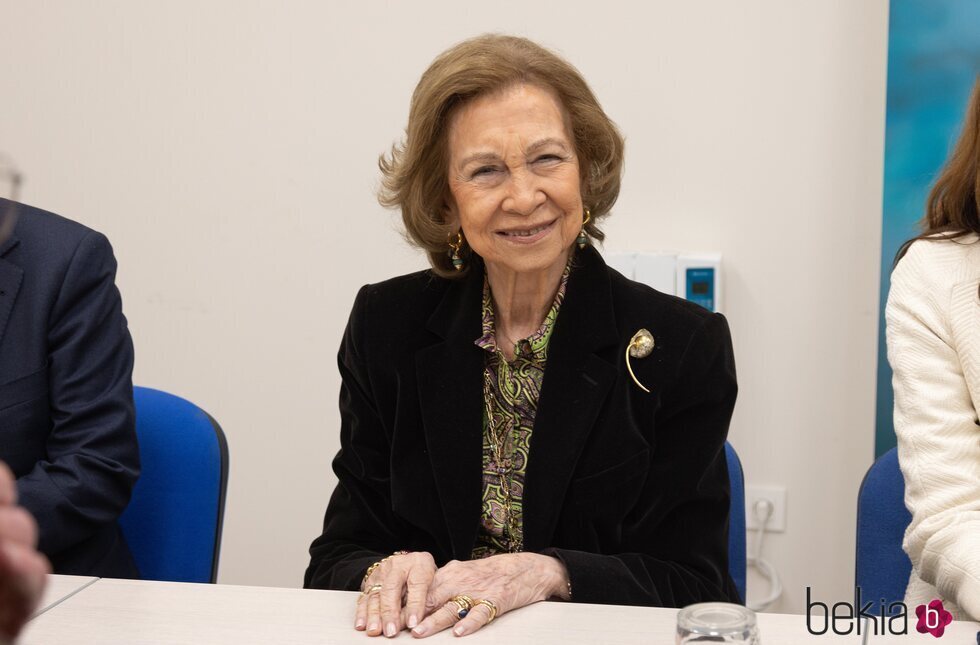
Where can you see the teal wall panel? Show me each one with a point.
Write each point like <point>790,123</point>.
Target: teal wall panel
<point>933,58</point>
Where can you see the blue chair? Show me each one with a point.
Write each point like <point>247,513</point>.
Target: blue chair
<point>736,521</point>
<point>173,521</point>
<point>883,568</point>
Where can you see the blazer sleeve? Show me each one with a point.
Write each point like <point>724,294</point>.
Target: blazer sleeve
<point>92,458</point>
<point>938,436</point>
<point>359,527</point>
<point>675,540</point>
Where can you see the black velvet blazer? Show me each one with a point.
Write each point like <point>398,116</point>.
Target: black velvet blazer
<point>628,489</point>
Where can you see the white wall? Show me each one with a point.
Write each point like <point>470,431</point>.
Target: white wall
<point>229,150</point>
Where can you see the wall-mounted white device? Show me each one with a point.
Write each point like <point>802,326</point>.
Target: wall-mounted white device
<point>693,276</point>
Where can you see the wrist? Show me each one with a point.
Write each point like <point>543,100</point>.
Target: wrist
<point>562,589</point>
<point>553,577</point>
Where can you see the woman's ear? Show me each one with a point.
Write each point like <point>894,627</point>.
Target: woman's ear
<point>450,213</point>
<point>588,173</point>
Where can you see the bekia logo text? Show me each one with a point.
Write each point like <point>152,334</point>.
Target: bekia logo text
<point>844,618</point>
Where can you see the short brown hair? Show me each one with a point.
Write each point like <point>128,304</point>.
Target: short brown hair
<point>415,174</point>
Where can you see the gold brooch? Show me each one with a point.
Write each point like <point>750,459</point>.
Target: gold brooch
<point>640,347</point>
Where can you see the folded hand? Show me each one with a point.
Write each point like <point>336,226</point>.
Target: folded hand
<point>491,586</point>
<point>393,596</point>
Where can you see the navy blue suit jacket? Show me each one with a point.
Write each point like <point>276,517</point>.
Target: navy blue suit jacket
<point>67,422</point>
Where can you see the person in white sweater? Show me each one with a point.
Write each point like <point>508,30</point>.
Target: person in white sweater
<point>933,333</point>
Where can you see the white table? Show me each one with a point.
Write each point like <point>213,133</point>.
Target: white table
<point>133,612</point>
<point>60,587</point>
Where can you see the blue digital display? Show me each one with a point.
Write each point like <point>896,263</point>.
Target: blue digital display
<point>701,287</point>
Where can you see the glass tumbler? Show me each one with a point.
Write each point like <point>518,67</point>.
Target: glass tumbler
<point>716,622</point>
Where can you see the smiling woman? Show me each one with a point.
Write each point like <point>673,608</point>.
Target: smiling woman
<point>495,449</point>
<point>514,184</point>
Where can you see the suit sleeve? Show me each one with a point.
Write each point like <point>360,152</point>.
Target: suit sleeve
<point>92,458</point>
<point>359,527</point>
<point>938,436</point>
<point>675,540</point>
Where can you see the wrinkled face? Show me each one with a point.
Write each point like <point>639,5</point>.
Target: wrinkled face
<point>514,181</point>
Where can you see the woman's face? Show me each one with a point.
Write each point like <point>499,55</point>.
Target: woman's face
<point>514,179</point>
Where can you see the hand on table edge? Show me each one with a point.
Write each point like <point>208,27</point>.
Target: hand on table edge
<point>393,594</point>
<point>521,579</point>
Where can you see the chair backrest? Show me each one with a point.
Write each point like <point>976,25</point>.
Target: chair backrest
<point>736,521</point>
<point>883,568</point>
<point>173,521</point>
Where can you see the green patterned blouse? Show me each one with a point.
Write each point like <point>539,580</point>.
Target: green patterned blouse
<point>511,391</point>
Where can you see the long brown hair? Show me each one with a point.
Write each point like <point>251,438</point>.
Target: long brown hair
<point>953,207</point>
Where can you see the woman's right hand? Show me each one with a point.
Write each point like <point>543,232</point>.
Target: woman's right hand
<point>403,576</point>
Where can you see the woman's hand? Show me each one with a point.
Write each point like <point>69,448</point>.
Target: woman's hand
<point>402,577</point>
<point>506,581</point>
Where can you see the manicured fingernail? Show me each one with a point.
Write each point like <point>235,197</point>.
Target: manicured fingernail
<point>373,626</point>
<point>459,630</point>
<point>359,624</point>
<point>412,621</point>
<point>420,630</point>
<point>390,630</point>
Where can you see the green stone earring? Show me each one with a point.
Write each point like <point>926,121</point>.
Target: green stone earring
<point>582,238</point>
<point>455,246</point>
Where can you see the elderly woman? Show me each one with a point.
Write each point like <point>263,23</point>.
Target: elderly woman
<point>498,444</point>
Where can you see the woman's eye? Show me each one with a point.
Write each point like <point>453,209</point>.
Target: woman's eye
<point>484,170</point>
<point>547,158</point>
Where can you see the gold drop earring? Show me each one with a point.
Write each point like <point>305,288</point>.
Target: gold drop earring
<point>454,247</point>
<point>582,238</point>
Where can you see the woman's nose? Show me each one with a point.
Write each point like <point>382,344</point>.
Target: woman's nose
<point>524,193</point>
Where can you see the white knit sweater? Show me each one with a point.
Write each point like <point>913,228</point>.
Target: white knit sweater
<point>933,333</point>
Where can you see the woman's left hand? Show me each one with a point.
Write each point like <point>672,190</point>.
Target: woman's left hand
<point>507,581</point>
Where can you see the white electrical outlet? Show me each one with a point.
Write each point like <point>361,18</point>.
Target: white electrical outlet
<point>776,495</point>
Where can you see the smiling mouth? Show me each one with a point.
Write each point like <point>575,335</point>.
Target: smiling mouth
<point>527,232</point>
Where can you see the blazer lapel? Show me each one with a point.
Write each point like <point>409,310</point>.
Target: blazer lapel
<point>11,277</point>
<point>576,384</point>
<point>449,375</point>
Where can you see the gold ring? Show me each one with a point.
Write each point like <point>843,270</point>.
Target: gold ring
<point>463,603</point>
<point>371,569</point>
<point>370,590</point>
<point>459,612</point>
<point>491,607</point>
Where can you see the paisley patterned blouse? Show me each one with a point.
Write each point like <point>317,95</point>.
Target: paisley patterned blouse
<point>511,400</point>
